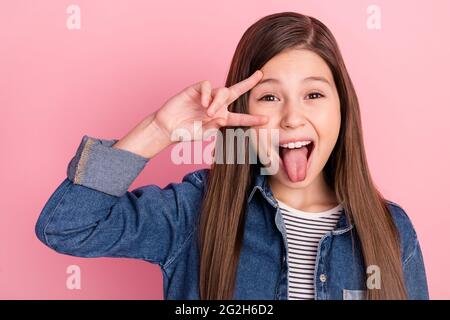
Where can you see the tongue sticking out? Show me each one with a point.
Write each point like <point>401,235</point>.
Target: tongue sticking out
<point>295,161</point>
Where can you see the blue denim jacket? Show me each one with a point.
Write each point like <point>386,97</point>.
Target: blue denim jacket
<point>92,214</point>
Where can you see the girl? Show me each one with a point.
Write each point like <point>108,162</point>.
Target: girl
<point>315,229</point>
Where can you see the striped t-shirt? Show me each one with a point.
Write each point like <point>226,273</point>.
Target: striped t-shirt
<point>303,231</point>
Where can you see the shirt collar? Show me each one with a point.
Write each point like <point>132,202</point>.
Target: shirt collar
<point>260,184</point>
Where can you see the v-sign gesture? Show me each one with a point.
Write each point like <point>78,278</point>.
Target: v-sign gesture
<point>199,103</point>
<point>196,103</point>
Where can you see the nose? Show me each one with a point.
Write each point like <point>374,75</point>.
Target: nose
<point>293,116</point>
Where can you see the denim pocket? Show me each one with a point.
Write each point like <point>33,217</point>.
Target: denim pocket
<point>354,294</point>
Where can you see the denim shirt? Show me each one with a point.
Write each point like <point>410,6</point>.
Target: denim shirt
<point>92,214</point>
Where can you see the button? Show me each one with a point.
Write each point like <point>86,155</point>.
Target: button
<point>323,277</point>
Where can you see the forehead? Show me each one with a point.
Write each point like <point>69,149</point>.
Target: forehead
<point>294,65</point>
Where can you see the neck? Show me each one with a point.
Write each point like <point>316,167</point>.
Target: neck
<point>315,197</point>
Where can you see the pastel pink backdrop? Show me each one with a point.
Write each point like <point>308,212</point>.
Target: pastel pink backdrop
<point>129,56</point>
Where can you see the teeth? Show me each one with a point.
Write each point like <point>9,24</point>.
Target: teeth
<point>297,144</point>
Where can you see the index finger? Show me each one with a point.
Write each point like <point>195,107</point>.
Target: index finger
<point>243,86</point>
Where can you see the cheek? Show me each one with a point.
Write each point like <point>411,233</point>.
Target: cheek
<point>264,135</point>
<point>328,126</point>
<point>262,109</point>
<point>263,140</point>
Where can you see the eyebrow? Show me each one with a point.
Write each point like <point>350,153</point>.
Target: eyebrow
<point>310,78</point>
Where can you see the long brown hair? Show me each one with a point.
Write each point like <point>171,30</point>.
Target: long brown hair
<point>221,224</point>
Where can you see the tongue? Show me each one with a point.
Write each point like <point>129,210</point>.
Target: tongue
<point>295,163</point>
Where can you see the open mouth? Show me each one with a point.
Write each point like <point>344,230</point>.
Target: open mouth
<point>309,147</point>
<point>295,158</point>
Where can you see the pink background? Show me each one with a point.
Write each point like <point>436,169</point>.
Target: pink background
<point>129,56</point>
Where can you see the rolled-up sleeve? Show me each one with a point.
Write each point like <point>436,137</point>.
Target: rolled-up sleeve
<point>99,166</point>
<point>92,214</point>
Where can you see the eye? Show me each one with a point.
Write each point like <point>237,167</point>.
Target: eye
<point>314,95</point>
<point>272,97</point>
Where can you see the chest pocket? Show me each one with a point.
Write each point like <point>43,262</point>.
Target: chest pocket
<point>354,294</point>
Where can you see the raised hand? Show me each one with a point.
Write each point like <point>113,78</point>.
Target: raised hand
<point>196,104</point>
<point>199,102</point>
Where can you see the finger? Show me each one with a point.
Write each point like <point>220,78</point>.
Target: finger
<point>215,123</point>
<point>218,102</point>
<point>212,126</point>
<point>243,119</point>
<point>243,86</point>
<point>205,93</point>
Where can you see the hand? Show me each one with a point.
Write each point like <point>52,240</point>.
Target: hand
<point>194,104</point>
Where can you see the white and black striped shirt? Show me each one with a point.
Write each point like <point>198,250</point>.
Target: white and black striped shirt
<point>303,231</point>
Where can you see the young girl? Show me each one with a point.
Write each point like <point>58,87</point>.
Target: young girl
<point>315,229</point>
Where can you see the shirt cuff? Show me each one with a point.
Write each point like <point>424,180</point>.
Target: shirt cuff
<point>99,166</point>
